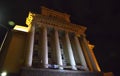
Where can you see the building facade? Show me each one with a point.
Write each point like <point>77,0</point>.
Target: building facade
<point>50,42</point>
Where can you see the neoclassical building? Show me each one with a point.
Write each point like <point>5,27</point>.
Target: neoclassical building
<point>50,45</point>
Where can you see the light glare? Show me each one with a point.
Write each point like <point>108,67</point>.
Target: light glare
<point>22,28</point>
<point>11,23</point>
<point>4,74</point>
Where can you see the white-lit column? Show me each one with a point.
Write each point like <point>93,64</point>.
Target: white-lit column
<point>80,53</point>
<point>70,52</point>
<point>30,47</point>
<point>45,48</point>
<point>58,50</point>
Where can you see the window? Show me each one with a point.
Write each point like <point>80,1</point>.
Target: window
<point>49,55</point>
<point>35,54</point>
<point>36,42</point>
<point>48,43</point>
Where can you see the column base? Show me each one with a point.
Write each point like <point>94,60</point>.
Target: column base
<point>73,67</point>
<point>61,68</point>
<point>45,65</point>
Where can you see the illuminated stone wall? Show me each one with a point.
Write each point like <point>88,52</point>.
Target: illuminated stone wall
<point>50,41</point>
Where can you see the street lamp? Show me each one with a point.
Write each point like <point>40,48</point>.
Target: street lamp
<point>4,37</point>
<point>11,23</point>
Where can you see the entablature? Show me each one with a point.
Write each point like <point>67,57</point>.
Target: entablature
<point>53,22</point>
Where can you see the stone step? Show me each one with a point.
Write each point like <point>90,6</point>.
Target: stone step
<point>56,72</point>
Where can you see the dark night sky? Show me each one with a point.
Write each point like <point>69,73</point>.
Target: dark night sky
<point>101,17</point>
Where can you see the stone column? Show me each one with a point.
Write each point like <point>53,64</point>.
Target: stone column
<point>91,57</point>
<point>70,52</point>
<point>80,53</point>
<point>29,57</point>
<point>94,58</point>
<point>44,48</point>
<point>84,48</point>
<point>58,50</point>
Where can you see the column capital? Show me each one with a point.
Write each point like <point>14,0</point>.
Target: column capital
<point>91,46</point>
<point>83,35</point>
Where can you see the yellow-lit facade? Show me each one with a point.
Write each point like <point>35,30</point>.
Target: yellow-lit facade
<point>50,39</point>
